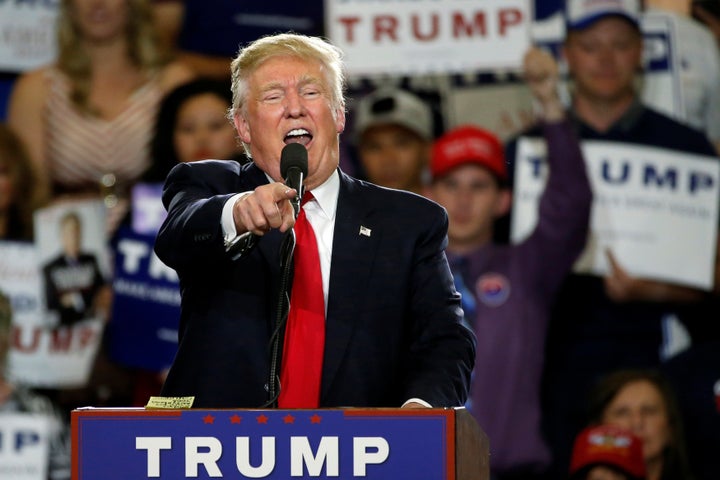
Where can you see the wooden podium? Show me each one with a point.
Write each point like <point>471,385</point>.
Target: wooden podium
<point>416,444</point>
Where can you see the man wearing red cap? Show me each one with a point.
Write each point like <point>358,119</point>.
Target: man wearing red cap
<point>508,289</point>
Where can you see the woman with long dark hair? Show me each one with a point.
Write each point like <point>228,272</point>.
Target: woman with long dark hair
<point>643,402</point>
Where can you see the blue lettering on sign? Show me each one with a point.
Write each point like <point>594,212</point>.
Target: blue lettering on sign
<point>651,176</point>
<point>656,54</point>
<point>20,439</point>
<point>700,181</point>
<point>536,164</point>
<point>24,438</point>
<point>605,169</point>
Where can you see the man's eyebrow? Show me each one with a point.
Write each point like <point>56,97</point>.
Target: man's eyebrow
<point>271,86</point>
<point>309,80</point>
<point>303,81</point>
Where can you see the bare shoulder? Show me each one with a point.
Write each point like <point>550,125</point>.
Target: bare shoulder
<point>174,74</point>
<point>33,82</point>
<point>28,97</point>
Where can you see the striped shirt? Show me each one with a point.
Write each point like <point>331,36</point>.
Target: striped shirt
<point>82,149</point>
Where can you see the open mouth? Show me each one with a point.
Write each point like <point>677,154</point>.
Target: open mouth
<point>298,135</point>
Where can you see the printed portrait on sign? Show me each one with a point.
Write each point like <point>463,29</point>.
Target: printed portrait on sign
<point>72,258</point>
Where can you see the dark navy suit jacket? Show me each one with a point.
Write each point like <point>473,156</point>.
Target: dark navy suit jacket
<point>393,327</point>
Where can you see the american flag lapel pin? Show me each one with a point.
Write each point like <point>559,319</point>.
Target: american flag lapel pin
<point>365,231</point>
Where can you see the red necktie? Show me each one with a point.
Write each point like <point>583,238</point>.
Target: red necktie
<point>305,331</point>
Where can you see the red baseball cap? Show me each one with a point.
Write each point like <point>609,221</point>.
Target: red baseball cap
<point>468,144</point>
<point>608,445</point>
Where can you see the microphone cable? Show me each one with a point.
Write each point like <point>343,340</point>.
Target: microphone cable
<point>282,309</point>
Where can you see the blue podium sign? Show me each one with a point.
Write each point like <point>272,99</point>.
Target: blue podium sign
<point>377,444</point>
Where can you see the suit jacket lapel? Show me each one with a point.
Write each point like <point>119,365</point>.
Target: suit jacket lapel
<point>352,259</point>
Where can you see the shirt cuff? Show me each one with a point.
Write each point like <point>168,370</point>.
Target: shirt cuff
<point>418,400</point>
<point>227,222</point>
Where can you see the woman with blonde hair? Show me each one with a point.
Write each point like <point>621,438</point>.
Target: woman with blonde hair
<point>87,120</point>
<point>19,192</point>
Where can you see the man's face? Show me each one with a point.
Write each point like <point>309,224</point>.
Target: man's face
<point>604,58</point>
<point>289,101</point>
<point>394,157</point>
<point>473,199</point>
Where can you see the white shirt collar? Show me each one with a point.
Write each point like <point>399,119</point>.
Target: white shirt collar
<point>326,195</point>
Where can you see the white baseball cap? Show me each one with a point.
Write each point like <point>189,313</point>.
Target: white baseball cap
<point>580,14</point>
<point>392,106</point>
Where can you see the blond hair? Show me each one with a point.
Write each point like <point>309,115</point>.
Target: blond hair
<point>304,47</point>
<point>143,48</point>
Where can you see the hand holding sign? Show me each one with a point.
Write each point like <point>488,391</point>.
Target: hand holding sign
<point>618,284</point>
<point>621,287</point>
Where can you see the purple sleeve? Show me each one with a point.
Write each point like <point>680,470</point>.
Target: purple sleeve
<point>563,214</point>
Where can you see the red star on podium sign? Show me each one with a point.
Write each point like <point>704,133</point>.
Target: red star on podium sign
<point>208,419</point>
<point>262,419</point>
<point>288,418</point>
<point>235,419</point>
<point>315,418</point>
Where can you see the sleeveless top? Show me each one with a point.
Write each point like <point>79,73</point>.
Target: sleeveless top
<point>86,152</point>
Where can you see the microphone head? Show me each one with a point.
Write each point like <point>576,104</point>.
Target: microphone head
<point>293,155</point>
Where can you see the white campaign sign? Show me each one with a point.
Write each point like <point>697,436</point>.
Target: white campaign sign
<point>655,209</point>
<point>24,446</point>
<point>41,355</point>
<point>405,37</point>
<point>27,33</point>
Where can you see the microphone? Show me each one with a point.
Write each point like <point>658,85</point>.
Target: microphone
<point>294,168</point>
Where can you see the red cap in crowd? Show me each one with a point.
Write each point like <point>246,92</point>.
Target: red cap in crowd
<point>608,445</point>
<point>468,144</point>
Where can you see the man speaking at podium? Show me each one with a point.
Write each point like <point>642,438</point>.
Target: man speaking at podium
<point>381,328</point>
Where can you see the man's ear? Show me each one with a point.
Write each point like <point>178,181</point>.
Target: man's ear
<point>242,128</point>
<point>340,120</point>
<point>504,203</point>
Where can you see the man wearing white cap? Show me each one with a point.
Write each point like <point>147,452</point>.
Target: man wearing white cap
<point>394,133</point>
